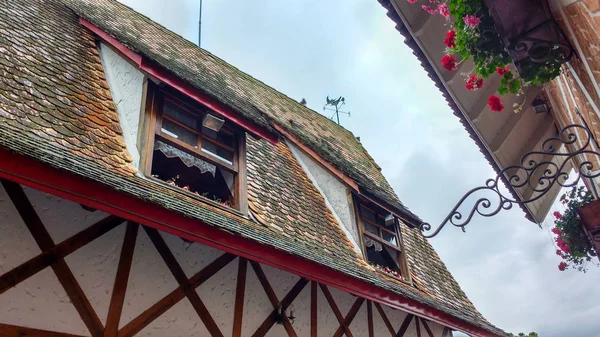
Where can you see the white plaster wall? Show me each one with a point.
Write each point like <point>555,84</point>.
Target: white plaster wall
<point>41,302</point>
<point>126,87</point>
<point>336,194</point>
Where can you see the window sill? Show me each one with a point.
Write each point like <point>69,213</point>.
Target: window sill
<point>200,198</point>
<point>384,273</point>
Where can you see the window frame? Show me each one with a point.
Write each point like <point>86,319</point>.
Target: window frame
<point>399,248</point>
<point>155,96</point>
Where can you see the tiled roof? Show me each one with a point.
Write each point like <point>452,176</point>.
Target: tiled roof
<point>55,106</point>
<point>241,92</point>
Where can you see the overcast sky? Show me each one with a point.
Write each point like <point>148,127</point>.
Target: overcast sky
<point>313,48</point>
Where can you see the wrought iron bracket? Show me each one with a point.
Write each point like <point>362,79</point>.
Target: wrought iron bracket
<point>539,171</point>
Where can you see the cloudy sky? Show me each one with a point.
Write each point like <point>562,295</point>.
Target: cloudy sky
<point>313,48</point>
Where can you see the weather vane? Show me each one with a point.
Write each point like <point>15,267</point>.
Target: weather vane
<point>336,105</point>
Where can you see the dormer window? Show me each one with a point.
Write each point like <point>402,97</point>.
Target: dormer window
<point>382,240</point>
<point>192,148</point>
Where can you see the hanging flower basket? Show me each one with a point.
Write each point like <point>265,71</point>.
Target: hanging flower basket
<point>573,242</point>
<point>499,35</point>
<point>590,218</point>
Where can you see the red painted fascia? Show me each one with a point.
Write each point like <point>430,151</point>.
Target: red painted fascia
<point>37,175</point>
<point>158,72</point>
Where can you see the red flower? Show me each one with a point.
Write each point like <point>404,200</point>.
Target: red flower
<point>474,82</point>
<point>557,215</point>
<point>565,248</point>
<point>566,201</point>
<point>495,103</point>
<point>562,266</point>
<point>450,40</point>
<point>558,252</point>
<point>502,71</point>
<point>448,62</point>
<point>556,231</point>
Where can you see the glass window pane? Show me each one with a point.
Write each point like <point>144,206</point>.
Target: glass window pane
<point>371,229</point>
<point>367,214</point>
<point>389,238</point>
<point>180,115</point>
<point>217,151</point>
<point>179,132</point>
<point>222,137</point>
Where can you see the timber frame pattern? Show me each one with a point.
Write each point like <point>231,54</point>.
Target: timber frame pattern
<point>53,255</point>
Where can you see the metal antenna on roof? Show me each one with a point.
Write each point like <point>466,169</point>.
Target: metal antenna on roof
<point>335,105</point>
<point>200,25</point>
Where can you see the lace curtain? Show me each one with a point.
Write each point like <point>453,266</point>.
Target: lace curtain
<point>186,158</point>
<point>372,243</point>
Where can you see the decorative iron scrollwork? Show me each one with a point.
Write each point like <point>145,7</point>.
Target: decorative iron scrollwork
<point>541,47</point>
<point>538,171</point>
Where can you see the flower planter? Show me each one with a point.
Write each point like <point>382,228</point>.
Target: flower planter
<point>590,218</point>
<point>531,36</point>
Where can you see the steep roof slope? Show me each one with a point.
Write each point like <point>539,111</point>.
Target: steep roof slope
<point>55,106</point>
<point>241,92</point>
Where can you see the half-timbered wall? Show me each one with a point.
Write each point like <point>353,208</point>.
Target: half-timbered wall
<point>117,289</point>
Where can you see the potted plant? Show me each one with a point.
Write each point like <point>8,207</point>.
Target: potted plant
<point>478,35</point>
<point>574,246</point>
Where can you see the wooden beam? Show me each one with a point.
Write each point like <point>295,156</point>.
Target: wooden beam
<point>336,310</point>
<point>239,298</point>
<point>284,304</point>
<point>418,326</point>
<point>183,281</point>
<point>314,309</point>
<point>121,278</point>
<point>160,307</point>
<point>60,268</point>
<point>47,258</point>
<point>7,330</point>
<point>405,325</point>
<point>386,321</point>
<point>350,316</point>
<point>370,319</point>
<point>429,332</point>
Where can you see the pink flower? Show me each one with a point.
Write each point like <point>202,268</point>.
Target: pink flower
<point>558,252</point>
<point>471,21</point>
<point>565,248</point>
<point>448,62</point>
<point>556,231</point>
<point>562,266</point>
<point>443,10</point>
<point>428,9</point>
<point>411,1</point>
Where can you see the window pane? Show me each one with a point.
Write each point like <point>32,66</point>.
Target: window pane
<point>180,115</point>
<point>179,132</point>
<point>371,229</point>
<point>367,214</point>
<point>389,238</point>
<point>221,137</point>
<point>217,151</point>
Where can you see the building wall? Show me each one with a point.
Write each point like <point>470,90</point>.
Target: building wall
<point>575,94</point>
<point>126,87</point>
<point>40,301</point>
